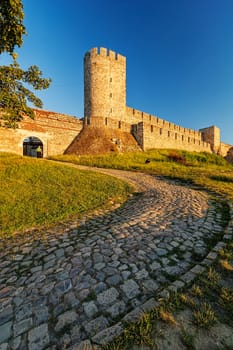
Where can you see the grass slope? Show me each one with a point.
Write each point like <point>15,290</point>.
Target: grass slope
<point>204,169</point>
<point>35,192</point>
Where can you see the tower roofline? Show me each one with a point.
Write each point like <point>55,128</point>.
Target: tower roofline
<point>107,53</point>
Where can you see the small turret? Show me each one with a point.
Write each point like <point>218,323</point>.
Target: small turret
<point>212,136</point>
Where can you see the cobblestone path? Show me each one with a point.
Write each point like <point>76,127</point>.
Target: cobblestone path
<point>60,287</point>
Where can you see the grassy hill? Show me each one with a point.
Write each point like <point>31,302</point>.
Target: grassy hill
<point>203,169</point>
<point>35,192</point>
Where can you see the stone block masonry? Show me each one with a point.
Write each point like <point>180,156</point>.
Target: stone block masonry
<point>105,108</point>
<point>104,85</point>
<point>154,132</point>
<point>56,131</point>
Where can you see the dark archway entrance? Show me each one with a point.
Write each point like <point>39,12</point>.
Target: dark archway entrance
<point>33,147</point>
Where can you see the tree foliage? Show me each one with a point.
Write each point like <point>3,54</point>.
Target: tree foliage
<point>14,95</point>
<point>14,81</point>
<point>11,25</point>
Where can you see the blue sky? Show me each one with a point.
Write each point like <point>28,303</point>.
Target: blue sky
<point>179,55</point>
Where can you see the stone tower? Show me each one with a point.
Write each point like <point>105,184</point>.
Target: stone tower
<point>212,136</point>
<point>104,86</point>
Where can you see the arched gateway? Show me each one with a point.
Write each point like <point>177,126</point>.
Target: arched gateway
<point>33,147</point>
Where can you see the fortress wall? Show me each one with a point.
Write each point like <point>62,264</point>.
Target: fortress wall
<point>135,116</point>
<point>158,133</point>
<point>12,140</point>
<point>152,132</point>
<point>95,121</point>
<point>224,148</point>
<point>212,135</point>
<point>111,123</point>
<point>56,131</point>
<point>156,137</point>
<point>137,131</point>
<point>105,105</point>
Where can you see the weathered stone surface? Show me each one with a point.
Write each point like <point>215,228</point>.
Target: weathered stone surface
<point>5,331</point>
<point>90,309</point>
<point>7,291</point>
<point>173,270</point>
<point>38,338</point>
<point>155,265</point>
<point>198,269</point>
<point>130,288</point>
<point>99,266</point>
<point>178,284</point>
<point>188,277</point>
<point>161,252</point>
<point>150,286</point>
<point>65,319</point>
<point>41,314</point>
<point>107,297</point>
<point>63,286</point>
<point>22,326</point>
<point>25,311</point>
<point>134,315</point>
<point>97,325</point>
<point>108,334</point>
<point>6,315</point>
<point>15,343</point>
<point>141,274</point>
<point>116,309</point>
<point>149,305</point>
<point>114,280</point>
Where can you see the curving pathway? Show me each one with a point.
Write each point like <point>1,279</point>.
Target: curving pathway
<point>62,286</point>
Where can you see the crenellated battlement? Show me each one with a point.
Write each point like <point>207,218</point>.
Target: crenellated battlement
<point>136,116</point>
<point>105,106</point>
<point>105,53</point>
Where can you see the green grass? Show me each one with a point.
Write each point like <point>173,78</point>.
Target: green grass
<point>203,169</point>
<point>204,316</point>
<point>36,192</point>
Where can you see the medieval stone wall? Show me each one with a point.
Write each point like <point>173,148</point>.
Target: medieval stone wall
<point>105,105</point>
<point>153,132</point>
<point>212,136</point>
<point>225,148</point>
<point>56,132</point>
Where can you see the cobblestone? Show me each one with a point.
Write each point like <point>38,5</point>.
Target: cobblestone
<point>64,285</point>
<point>38,337</point>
